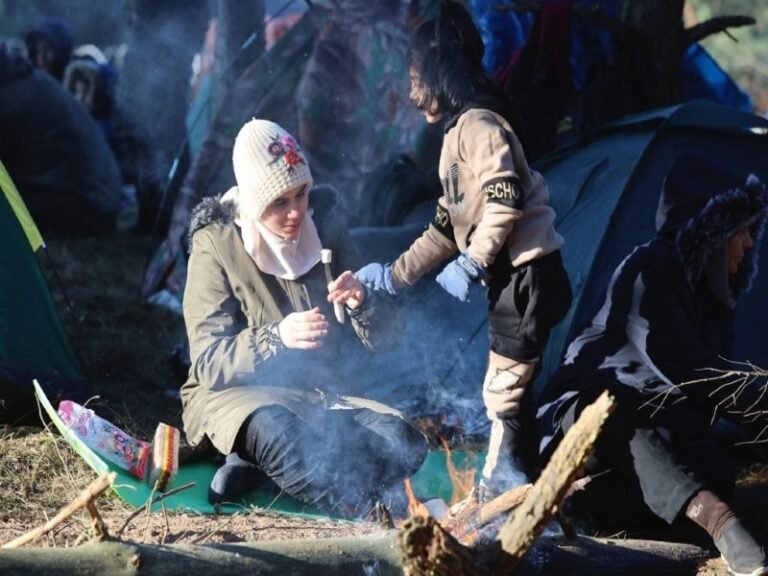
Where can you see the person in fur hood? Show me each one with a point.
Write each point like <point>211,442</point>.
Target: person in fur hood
<point>657,343</point>
<point>272,366</point>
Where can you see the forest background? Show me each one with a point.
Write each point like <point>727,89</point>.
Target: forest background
<point>743,52</point>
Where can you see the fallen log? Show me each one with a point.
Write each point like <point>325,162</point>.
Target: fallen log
<point>372,555</point>
<point>584,556</point>
<point>540,506</point>
<point>315,557</point>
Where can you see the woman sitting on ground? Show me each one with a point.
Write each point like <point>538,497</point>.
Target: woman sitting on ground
<point>270,362</point>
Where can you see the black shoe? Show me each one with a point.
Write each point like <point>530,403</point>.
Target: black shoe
<point>742,555</point>
<point>233,480</point>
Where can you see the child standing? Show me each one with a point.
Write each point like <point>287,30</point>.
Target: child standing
<point>495,212</point>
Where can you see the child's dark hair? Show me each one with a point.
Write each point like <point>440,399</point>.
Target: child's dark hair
<point>446,57</point>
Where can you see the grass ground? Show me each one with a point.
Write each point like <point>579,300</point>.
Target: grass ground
<point>126,347</point>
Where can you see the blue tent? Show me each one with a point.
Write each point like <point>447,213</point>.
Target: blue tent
<point>605,190</point>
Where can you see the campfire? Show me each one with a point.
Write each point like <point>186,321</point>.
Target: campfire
<point>463,516</point>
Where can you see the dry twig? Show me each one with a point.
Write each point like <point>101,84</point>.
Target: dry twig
<point>85,498</point>
<point>474,516</point>
<point>148,506</point>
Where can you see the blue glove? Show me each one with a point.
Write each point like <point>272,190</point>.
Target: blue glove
<point>459,275</point>
<point>377,276</point>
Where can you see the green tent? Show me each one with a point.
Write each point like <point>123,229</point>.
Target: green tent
<point>33,343</point>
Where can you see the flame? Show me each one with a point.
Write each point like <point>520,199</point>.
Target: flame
<point>462,481</point>
<point>415,508</point>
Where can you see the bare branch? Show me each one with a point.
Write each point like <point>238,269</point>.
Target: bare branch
<point>714,26</point>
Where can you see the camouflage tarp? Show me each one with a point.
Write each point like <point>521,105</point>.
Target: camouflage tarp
<point>353,106</point>
<point>338,80</point>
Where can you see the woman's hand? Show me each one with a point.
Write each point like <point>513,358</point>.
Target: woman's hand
<point>347,290</point>
<point>303,330</point>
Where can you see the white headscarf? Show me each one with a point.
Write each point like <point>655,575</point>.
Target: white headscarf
<point>287,259</point>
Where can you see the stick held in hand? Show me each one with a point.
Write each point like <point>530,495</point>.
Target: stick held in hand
<point>326,256</point>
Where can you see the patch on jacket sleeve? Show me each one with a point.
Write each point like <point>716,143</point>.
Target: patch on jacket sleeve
<point>505,190</point>
<point>442,221</point>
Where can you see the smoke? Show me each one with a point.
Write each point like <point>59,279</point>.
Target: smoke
<point>437,369</point>
<point>375,568</point>
<point>153,91</point>
<point>351,458</point>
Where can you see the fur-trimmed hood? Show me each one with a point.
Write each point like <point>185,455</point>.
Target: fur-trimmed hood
<point>224,208</point>
<point>701,206</point>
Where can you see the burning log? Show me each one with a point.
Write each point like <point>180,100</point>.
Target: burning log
<point>474,516</point>
<point>429,550</point>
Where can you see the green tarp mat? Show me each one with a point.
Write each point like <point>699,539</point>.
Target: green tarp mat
<point>431,481</point>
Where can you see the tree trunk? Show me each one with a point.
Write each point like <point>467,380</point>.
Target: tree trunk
<point>658,42</point>
<point>376,554</point>
<point>236,45</point>
<point>655,41</point>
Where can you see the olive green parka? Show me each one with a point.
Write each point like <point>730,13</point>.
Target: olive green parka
<point>228,304</point>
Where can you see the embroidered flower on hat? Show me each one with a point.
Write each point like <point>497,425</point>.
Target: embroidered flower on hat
<point>292,158</point>
<point>285,147</point>
<point>288,141</point>
<point>276,148</point>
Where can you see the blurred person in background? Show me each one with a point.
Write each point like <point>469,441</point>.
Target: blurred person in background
<point>49,46</point>
<point>54,151</point>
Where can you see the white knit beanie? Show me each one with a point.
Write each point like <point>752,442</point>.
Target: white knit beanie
<point>267,162</point>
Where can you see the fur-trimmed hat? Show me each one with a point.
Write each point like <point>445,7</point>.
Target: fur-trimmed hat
<point>267,162</point>
<point>702,204</point>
